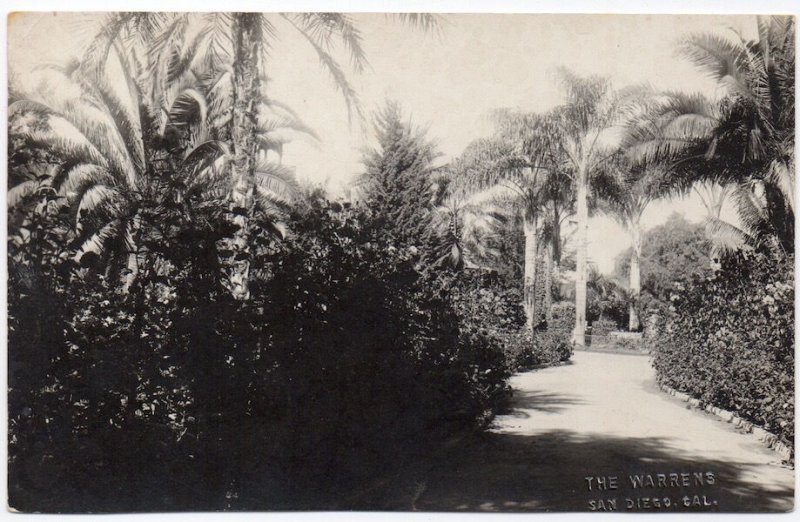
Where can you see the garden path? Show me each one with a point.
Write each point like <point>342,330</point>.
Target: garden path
<point>603,415</point>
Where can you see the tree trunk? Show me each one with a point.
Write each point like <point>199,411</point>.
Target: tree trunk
<point>247,34</point>
<point>548,284</point>
<point>582,214</point>
<point>529,286</point>
<point>554,253</point>
<point>635,275</point>
<point>556,237</point>
<point>131,243</point>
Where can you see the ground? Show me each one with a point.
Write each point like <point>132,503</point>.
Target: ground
<point>601,415</point>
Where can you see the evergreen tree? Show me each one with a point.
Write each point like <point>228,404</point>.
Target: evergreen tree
<point>397,182</point>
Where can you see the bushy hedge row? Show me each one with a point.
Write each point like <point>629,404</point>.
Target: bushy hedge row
<point>347,363</point>
<point>729,341</point>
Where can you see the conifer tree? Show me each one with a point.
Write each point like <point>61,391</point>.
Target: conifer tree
<point>398,182</point>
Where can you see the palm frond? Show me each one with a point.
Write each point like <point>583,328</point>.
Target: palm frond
<point>219,50</point>
<point>81,177</point>
<point>96,55</point>
<point>427,22</point>
<point>91,198</point>
<point>21,192</point>
<point>323,28</point>
<point>162,51</point>
<point>719,57</point>
<point>124,116</point>
<point>337,75</point>
<point>188,56</point>
<point>277,180</point>
<point>190,106</point>
<point>725,237</point>
<point>781,174</point>
<point>59,136</point>
<point>96,243</point>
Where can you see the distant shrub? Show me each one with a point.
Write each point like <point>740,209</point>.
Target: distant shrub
<point>630,344</point>
<point>603,326</point>
<point>616,342</point>
<point>728,340</point>
<point>563,322</point>
<point>544,347</point>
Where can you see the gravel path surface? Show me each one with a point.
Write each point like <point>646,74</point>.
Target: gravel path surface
<point>602,416</point>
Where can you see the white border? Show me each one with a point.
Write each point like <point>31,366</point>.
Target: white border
<point>446,6</point>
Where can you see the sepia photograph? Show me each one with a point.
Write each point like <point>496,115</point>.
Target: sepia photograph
<point>400,262</point>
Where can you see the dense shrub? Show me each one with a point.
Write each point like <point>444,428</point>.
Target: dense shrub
<point>344,366</point>
<point>544,347</point>
<point>525,351</point>
<point>620,342</point>
<point>377,358</point>
<point>563,318</point>
<point>610,305</point>
<point>119,414</point>
<point>603,326</point>
<point>729,340</point>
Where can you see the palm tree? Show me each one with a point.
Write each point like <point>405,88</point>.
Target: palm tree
<point>466,227</point>
<point>96,134</point>
<point>181,120</point>
<point>512,164</point>
<point>747,138</point>
<point>626,189</point>
<point>174,45</point>
<point>590,110</point>
<point>713,197</point>
<point>559,207</point>
<point>247,44</point>
<point>754,214</point>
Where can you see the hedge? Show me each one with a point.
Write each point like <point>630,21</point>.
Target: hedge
<point>728,340</point>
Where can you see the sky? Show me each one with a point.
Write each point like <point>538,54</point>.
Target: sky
<point>447,82</point>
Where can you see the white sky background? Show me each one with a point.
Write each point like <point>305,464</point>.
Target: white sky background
<point>446,82</point>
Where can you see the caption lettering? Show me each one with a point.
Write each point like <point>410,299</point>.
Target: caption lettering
<point>652,491</point>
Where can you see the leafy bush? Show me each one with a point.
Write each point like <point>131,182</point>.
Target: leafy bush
<point>544,347</point>
<point>346,364</point>
<point>603,326</point>
<point>563,318</point>
<point>491,305</point>
<point>631,344</point>
<point>621,343</point>
<point>374,357</point>
<point>524,351</point>
<point>729,340</point>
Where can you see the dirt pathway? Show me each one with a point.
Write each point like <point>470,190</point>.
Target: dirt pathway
<point>603,416</point>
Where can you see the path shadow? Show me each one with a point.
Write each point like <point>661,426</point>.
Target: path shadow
<point>546,472</point>
<point>542,401</point>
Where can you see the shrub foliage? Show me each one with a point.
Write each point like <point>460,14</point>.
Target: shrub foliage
<point>729,340</point>
<point>347,364</point>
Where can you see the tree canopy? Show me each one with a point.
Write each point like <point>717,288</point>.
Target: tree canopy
<point>675,251</point>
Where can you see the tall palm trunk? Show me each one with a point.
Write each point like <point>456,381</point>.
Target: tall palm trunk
<point>555,239</point>
<point>582,214</point>
<point>553,261</point>
<point>529,287</point>
<point>635,275</point>
<point>247,34</point>
<point>548,283</point>
<point>132,232</point>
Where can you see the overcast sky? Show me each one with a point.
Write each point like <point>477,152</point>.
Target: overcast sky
<point>447,82</point>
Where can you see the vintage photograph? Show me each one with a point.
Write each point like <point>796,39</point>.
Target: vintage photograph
<point>321,261</point>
